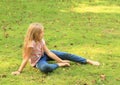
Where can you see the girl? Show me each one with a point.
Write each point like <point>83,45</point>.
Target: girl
<point>36,51</point>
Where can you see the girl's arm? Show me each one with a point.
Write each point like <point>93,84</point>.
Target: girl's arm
<point>24,62</point>
<point>53,56</point>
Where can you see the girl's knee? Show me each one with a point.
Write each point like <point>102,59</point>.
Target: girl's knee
<point>46,68</point>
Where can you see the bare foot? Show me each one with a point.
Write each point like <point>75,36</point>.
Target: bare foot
<point>93,62</point>
<point>63,64</point>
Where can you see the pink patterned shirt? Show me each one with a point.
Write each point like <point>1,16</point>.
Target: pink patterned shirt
<point>37,52</point>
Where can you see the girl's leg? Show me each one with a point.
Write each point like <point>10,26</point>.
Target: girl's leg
<point>74,58</point>
<point>44,66</point>
<point>71,57</point>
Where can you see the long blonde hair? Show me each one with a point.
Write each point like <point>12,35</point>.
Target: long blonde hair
<point>34,32</point>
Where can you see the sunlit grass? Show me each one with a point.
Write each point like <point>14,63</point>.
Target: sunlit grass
<point>97,9</point>
<point>83,8</point>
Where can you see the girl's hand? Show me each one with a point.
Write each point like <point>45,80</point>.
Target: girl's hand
<point>63,64</point>
<point>15,73</point>
<point>65,61</point>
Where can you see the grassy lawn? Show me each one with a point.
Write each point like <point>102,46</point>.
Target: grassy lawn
<point>89,28</point>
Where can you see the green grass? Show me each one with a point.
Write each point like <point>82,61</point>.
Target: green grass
<point>90,28</point>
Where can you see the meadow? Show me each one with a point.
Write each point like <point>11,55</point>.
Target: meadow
<point>89,28</point>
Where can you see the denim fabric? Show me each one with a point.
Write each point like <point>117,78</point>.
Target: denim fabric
<point>44,66</point>
<point>68,56</point>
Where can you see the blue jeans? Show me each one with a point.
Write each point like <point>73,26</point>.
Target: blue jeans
<point>44,66</point>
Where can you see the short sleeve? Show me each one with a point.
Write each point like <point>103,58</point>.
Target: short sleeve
<point>31,44</point>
